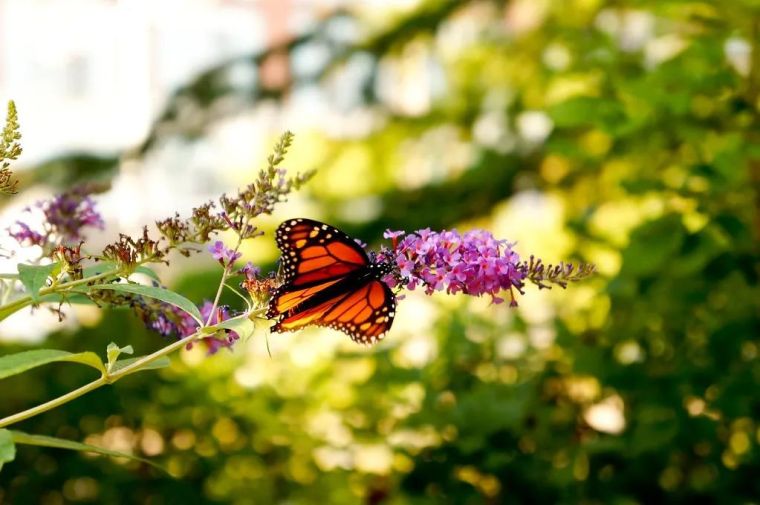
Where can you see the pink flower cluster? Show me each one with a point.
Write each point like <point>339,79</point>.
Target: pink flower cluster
<point>473,263</point>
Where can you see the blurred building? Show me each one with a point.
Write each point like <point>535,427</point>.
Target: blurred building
<point>92,74</point>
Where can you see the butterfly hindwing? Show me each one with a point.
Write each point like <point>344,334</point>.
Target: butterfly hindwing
<point>365,313</point>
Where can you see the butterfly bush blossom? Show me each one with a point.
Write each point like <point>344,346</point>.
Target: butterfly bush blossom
<point>474,263</point>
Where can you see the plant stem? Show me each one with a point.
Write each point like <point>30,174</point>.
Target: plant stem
<point>110,378</point>
<point>150,358</point>
<point>39,409</point>
<point>7,310</point>
<point>225,274</point>
<point>101,381</point>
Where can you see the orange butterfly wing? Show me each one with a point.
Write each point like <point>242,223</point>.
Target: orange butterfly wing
<point>329,281</point>
<point>365,313</point>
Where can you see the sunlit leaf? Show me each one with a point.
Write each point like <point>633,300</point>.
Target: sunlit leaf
<point>240,325</point>
<point>14,364</point>
<point>7,448</point>
<point>113,351</point>
<point>22,438</point>
<point>34,277</point>
<point>162,294</point>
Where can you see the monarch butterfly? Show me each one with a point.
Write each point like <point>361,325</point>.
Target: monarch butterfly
<point>330,281</point>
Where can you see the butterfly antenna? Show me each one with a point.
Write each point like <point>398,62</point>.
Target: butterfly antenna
<point>266,339</point>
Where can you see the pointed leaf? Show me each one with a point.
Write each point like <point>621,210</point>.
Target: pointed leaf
<point>158,293</point>
<point>34,277</point>
<point>22,438</point>
<point>13,364</point>
<point>113,352</point>
<point>7,448</point>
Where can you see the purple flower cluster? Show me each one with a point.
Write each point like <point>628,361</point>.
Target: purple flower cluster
<point>66,215</point>
<point>170,321</point>
<point>473,263</point>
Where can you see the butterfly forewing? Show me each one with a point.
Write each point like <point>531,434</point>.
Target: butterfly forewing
<point>314,252</point>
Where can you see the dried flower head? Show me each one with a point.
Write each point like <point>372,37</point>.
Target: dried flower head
<point>236,212</point>
<point>561,274</point>
<point>127,252</point>
<point>259,288</point>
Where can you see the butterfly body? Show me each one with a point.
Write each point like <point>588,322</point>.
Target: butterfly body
<point>330,281</point>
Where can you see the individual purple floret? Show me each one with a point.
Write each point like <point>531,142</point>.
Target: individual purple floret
<point>250,271</point>
<point>222,254</point>
<point>473,263</point>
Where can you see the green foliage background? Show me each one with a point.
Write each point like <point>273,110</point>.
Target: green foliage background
<point>654,160</point>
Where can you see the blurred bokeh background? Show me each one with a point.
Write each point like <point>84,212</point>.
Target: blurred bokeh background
<point>623,133</point>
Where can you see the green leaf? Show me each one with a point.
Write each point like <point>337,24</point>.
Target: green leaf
<point>149,272</point>
<point>158,293</point>
<point>162,362</point>
<point>7,448</point>
<point>19,437</point>
<point>68,298</point>
<point>113,351</point>
<point>34,277</point>
<point>240,325</point>
<point>653,245</point>
<point>14,364</point>
<point>105,266</point>
<point>588,111</point>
